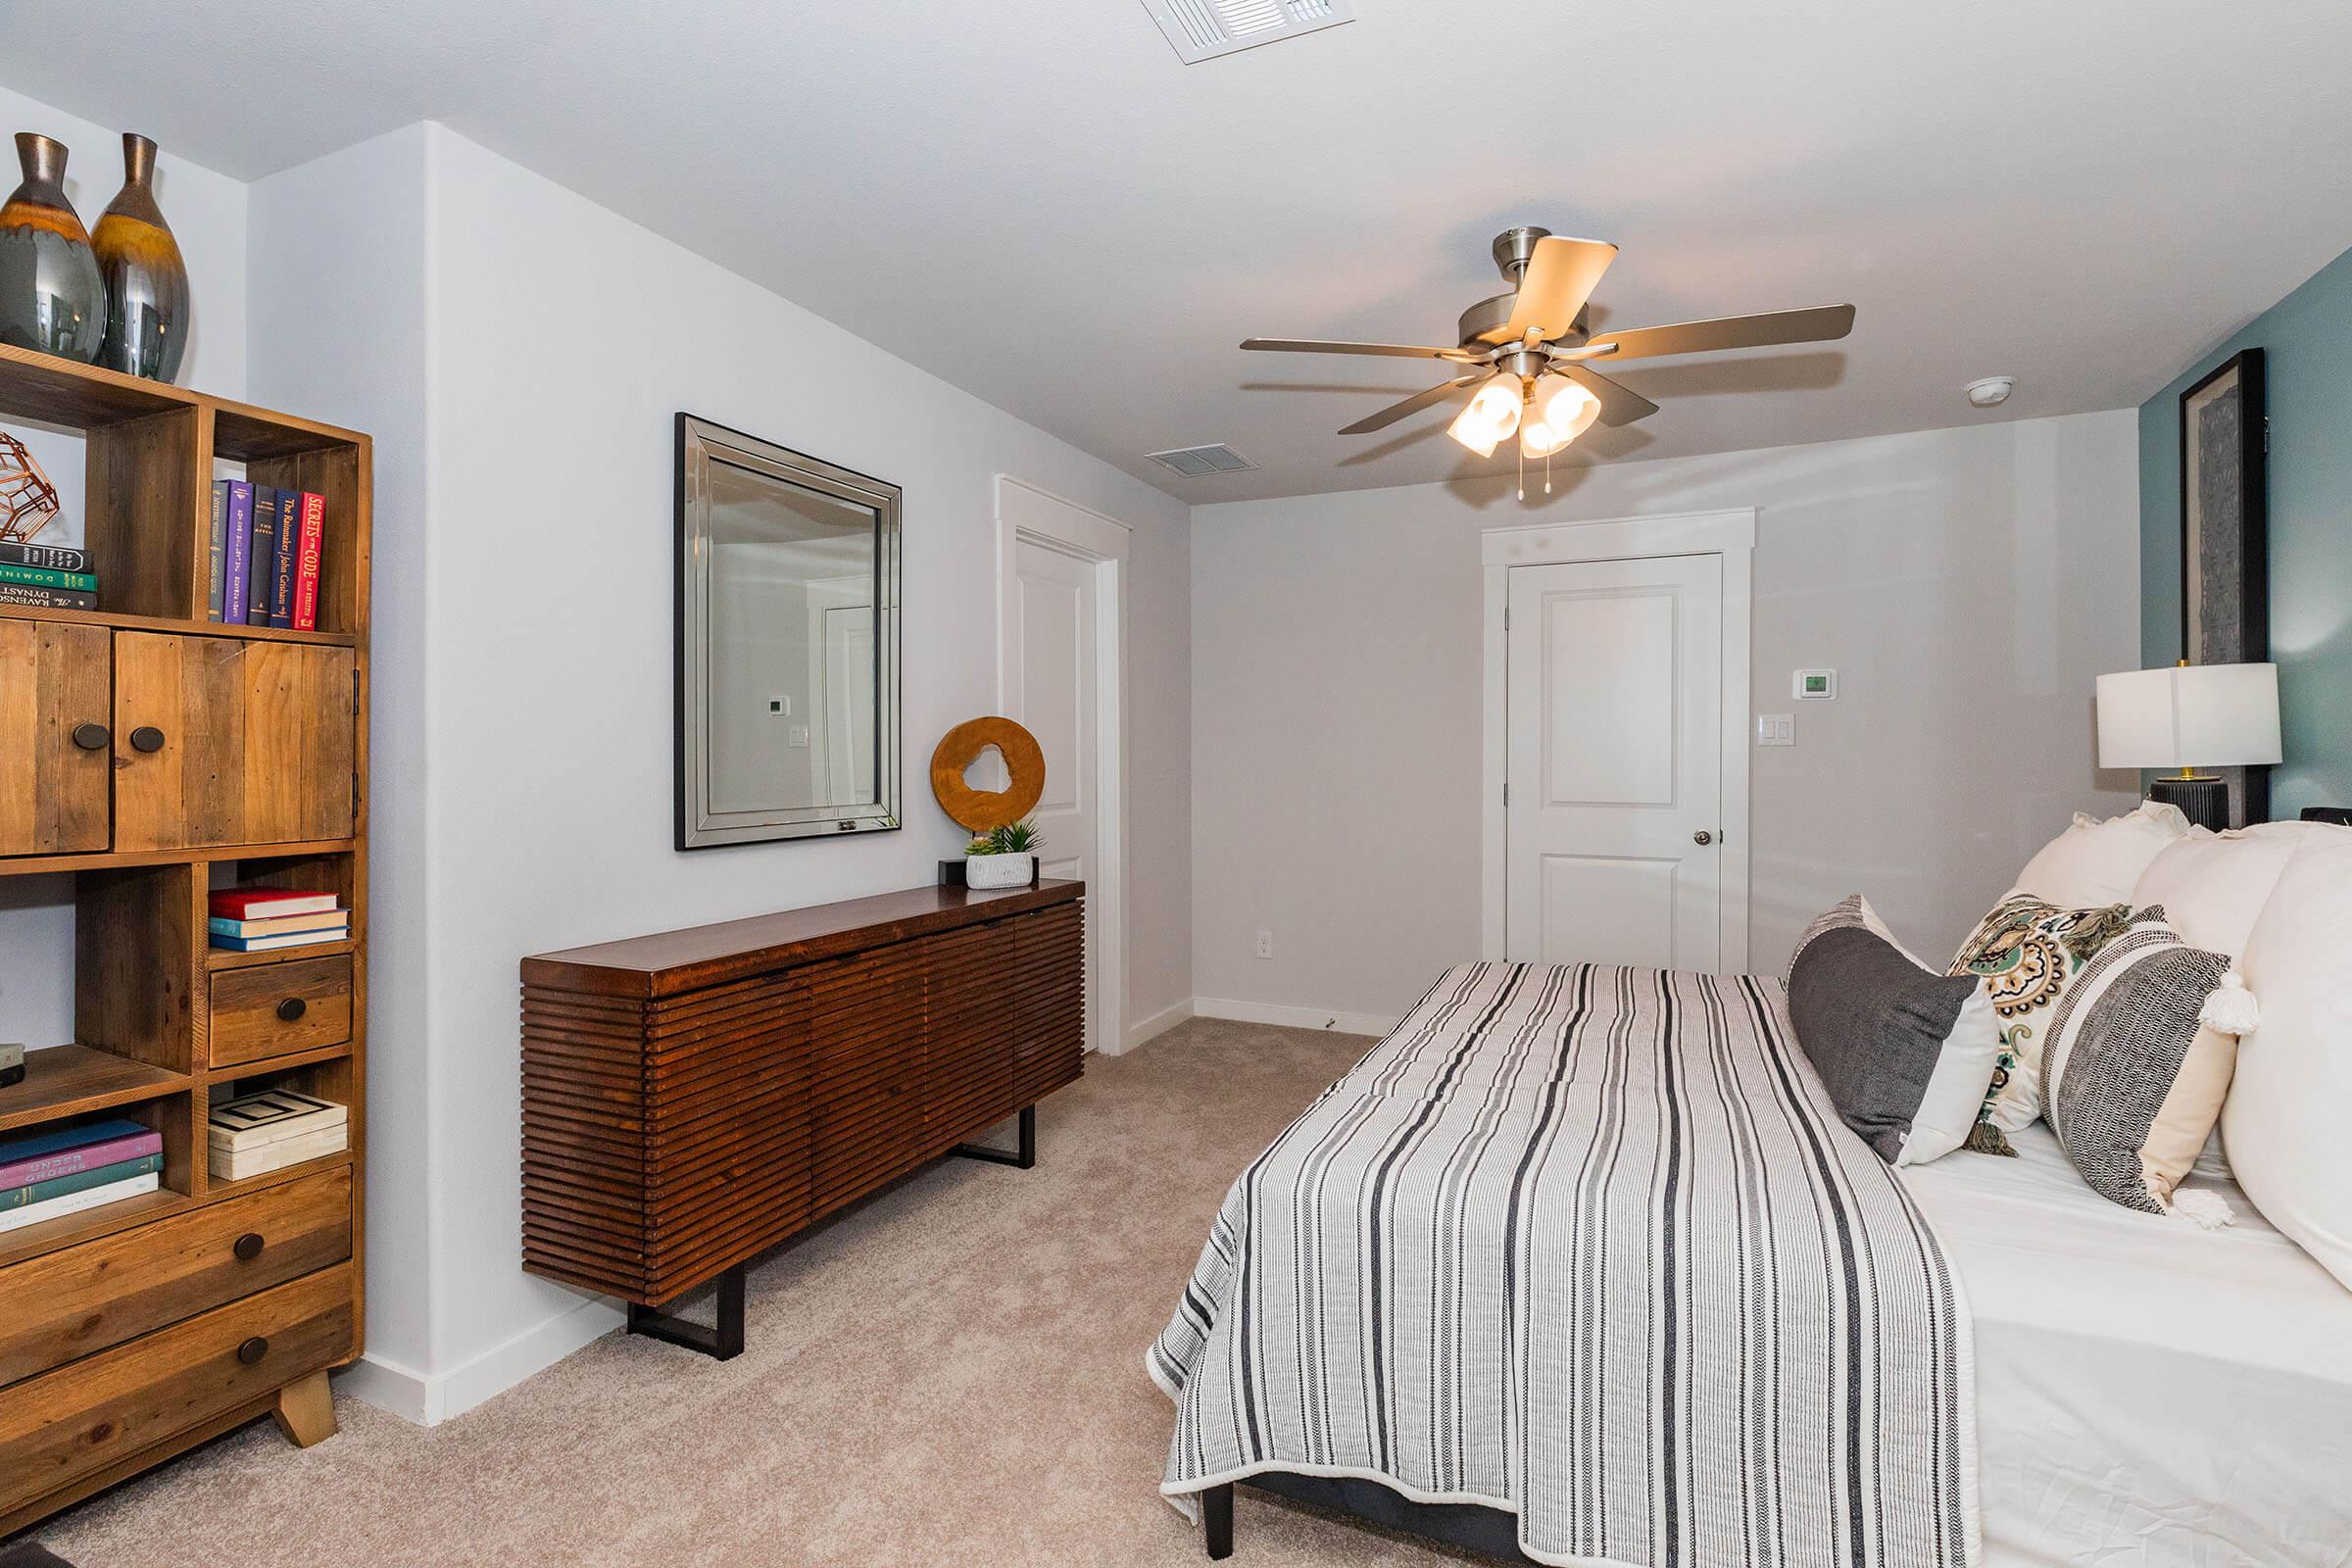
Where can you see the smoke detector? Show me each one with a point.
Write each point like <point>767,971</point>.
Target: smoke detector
<point>1195,461</point>
<point>1203,29</point>
<point>1990,392</point>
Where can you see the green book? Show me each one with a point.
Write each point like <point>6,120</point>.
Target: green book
<point>80,1180</point>
<point>48,578</point>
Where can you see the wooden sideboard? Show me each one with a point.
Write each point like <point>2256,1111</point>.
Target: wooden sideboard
<point>694,1098</point>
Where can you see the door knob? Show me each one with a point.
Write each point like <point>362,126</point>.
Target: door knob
<point>146,738</point>
<point>1703,837</point>
<point>92,737</point>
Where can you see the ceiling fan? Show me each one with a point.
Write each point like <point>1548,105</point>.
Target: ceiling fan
<point>1527,357</point>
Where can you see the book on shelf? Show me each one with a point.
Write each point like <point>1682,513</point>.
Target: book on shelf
<point>281,564</point>
<point>219,550</point>
<point>261,553</point>
<point>48,578</point>
<point>271,1130</point>
<point>57,558</point>
<point>74,1202</point>
<point>13,1197</point>
<point>17,593</point>
<point>68,1151</point>
<point>236,562</point>
<point>267,903</point>
<point>284,938</point>
<point>278,925</point>
<point>308,550</point>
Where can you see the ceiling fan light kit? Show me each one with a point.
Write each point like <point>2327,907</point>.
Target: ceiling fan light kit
<point>1528,355</point>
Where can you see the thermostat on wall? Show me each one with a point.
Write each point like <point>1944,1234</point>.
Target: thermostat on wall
<point>1814,686</point>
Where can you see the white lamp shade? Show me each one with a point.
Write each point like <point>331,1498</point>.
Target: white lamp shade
<point>2193,716</point>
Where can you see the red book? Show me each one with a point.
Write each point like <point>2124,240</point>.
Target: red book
<point>267,903</point>
<point>306,562</point>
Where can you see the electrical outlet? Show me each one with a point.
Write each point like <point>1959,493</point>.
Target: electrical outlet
<point>1265,944</point>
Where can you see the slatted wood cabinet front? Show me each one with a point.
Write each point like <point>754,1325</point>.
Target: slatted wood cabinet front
<point>692,1098</point>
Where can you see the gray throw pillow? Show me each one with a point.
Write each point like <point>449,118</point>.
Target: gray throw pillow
<point>1905,1054</point>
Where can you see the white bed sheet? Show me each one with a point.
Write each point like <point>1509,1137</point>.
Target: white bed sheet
<point>2148,1393</point>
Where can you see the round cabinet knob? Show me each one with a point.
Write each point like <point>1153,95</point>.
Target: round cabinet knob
<point>249,1246</point>
<point>253,1350</point>
<point>1703,837</point>
<point>92,737</point>
<point>146,738</point>
<point>292,1008</point>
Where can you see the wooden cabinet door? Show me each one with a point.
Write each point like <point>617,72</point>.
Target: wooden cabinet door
<point>221,741</point>
<point>52,785</point>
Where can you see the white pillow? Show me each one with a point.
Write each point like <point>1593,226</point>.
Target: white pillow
<point>2285,1120</point>
<point>2214,885</point>
<point>2096,862</point>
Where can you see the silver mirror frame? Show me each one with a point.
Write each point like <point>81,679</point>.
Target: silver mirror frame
<point>698,828</point>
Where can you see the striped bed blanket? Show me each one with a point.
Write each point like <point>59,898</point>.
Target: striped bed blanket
<point>1589,1244</point>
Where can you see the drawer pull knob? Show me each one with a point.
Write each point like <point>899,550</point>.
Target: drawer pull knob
<point>292,1008</point>
<point>249,1246</point>
<point>146,738</point>
<point>253,1350</point>
<point>92,737</point>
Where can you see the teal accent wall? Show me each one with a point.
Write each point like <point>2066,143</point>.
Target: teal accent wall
<point>2305,339</point>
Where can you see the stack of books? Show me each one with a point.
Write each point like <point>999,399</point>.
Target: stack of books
<point>46,576</point>
<point>266,554</point>
<point>275,1128</point>
<point>256,919</point>
<point>64,1170</point>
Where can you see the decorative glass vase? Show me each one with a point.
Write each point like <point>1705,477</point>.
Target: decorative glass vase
<point>146,280</point>
<point>52,298</point>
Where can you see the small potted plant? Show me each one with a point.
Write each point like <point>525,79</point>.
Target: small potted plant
<point>1005,857</point>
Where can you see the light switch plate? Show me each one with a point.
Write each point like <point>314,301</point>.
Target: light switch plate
<point>1814,686</point>
<point>1776,729</point>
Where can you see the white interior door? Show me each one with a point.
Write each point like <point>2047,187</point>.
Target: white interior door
<point>1613,814</point>
<point>1052,687</point>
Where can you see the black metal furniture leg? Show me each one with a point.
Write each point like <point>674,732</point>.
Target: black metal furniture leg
<point>722,1339</point>
<point>1024,1158</point>
<point>1216,1521</point>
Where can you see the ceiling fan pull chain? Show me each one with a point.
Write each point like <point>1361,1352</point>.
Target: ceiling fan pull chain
<point>1547,473</point>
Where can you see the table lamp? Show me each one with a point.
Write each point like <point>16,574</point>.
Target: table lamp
<point>2190,717</point>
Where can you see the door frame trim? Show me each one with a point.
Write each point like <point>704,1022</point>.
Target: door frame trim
<point>1729,533</point>
<point>1028,512</point>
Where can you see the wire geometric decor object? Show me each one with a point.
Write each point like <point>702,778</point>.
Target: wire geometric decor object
<point>27,500</point>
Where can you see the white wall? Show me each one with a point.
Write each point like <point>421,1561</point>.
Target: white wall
<point>522,654</point>
<point>206,215</point>
<point>1968,584</point>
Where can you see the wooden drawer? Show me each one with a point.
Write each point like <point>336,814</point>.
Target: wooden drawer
<point>105,1409</point>
<point>80,1300</point>
<point>278,1008</point>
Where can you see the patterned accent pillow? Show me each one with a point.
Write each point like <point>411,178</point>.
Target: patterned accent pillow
<point>2133,1077</point>
<point>2028,951</point>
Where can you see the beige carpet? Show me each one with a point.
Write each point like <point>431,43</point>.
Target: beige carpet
<point>948,1374</point>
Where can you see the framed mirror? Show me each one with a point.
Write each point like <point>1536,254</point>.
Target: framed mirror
<point>787,644</point>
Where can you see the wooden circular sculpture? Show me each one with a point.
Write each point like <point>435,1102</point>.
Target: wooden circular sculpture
<point>979,811</point>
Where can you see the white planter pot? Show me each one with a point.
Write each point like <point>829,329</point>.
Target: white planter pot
<point>999,870</point>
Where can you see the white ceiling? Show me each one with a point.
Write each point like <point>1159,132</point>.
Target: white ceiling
<point>1036,201</point>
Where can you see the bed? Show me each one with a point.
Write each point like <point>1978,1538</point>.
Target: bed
<point>2104,1387</point>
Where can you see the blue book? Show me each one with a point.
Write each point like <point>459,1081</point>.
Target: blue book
<point>262,556</point>
<point>220,578</point>
<point>287,939</point>
<point>288,545</point>
<point>238,576</point>
<point>35,1145</point>
<point>80,1181</point>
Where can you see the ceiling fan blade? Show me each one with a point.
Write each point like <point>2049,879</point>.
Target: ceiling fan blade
<point>1300,345</point>
<point>1416,403</point>
<point>1619,405</point>
<point>1820,323</point>
<point>1559,278</point>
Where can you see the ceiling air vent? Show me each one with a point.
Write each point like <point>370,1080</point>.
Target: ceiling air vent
<point>1203,29</point>
<point>1194,461</point>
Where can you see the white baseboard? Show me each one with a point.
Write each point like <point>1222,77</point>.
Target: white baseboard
<point>1160,1023</point>
<point>1338,1023</point>
<point>429,1399</point>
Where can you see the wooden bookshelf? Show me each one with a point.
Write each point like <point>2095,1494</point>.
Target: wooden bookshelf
<point>206,1304</point>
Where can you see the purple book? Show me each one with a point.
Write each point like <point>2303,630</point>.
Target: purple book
<point>48,1166</point>
<point>237,595</point>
